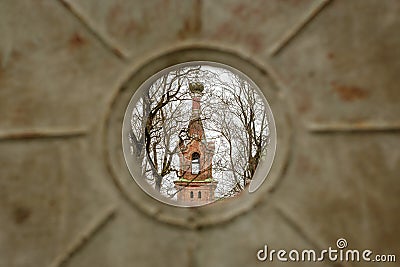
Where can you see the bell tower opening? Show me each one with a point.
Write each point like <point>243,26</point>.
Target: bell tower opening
<point>195,163</point>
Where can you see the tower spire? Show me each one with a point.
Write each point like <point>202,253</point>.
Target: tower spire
<point>195,129</point>
<point>196,91</point>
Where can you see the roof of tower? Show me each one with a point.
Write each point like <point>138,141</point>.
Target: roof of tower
<point>196,87</point>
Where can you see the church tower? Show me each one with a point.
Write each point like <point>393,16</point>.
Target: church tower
<point>195,185</point>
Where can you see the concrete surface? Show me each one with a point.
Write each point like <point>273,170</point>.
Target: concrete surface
<point>332,69</point>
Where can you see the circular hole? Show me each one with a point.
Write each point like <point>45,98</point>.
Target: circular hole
<point>198,132</point>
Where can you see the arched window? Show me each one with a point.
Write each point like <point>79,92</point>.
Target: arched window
<point>191,194</point>
<point>195,163</point>
<point>199,194</point>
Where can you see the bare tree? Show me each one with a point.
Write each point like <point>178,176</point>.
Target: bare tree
<point>240,117</point>
<point>233,114</point>
<point>156,120</point>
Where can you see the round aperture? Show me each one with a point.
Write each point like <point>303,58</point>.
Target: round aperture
<point>198,132</point>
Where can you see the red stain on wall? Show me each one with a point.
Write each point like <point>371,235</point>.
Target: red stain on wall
<point>77,40</point>
<point>255,42</point>
<point>304,104</point>
<point>240,11</point>
<point>349,93</point>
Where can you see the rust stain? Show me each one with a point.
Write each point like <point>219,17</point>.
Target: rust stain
<point>114,12</point>
<point>224,29</point>
<point>186,29</point>
<point>114,19</point>
<point>197,9</point>
<point>240,11</point>
<point>120,23</point>
<point>230,29</point>
<point>20,114</point>
<point>246,12</point>
<point>305,105</point>
<point>133,27</point>
<point>189,28</point>
<point>349,93</point>
<point>118,52</point>
<point>331,55</point>
<point>192,24</point>
<point>21,214</point>
<point>305,165</point>
<point>22,111</point>
<point>254,41</point>
<point>77,40</point>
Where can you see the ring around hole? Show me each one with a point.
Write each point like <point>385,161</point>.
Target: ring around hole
<point>198,132</point>
<point>219,211</point>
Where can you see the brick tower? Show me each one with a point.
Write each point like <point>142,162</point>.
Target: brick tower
<point>195,185</point>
